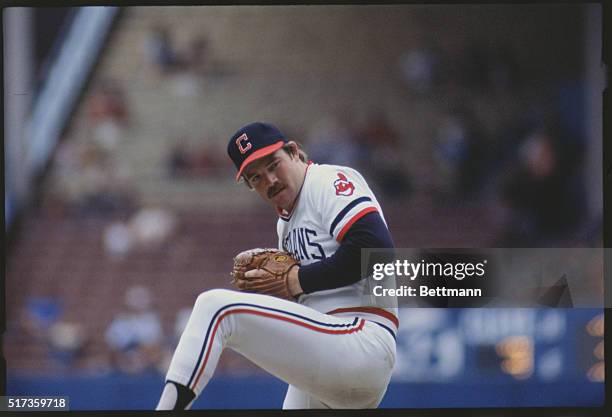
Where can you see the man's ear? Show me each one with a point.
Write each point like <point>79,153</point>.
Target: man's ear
<point>294,149</point>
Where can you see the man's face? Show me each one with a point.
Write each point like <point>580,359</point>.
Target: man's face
<point>277,178</point>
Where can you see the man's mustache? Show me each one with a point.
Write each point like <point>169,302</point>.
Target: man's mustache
<point>273,190</point>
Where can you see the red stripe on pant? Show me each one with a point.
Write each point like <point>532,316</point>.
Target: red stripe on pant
<point>372,310</point>
<point>273,316</point>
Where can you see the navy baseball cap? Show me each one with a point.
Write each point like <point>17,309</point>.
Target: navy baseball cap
<point>252,142</point>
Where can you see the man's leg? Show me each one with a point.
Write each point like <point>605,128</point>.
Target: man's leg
<point>344,362</point>
<point>297,399</point>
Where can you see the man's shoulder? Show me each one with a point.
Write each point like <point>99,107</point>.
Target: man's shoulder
<point>327,172</point>
<point>334,181</point>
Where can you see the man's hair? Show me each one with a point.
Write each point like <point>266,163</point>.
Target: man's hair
<point>301,153</point>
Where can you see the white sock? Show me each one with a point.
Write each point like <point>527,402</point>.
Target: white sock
<point>167,401</point>
<point>175,397</point>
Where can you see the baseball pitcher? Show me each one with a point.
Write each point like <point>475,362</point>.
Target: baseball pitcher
<point>299,312</point>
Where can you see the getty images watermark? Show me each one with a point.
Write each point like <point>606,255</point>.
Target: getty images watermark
<point>484,277</point>
<point>407,270</point>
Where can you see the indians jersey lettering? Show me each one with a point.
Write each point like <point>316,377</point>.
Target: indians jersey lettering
<point>301,243</point>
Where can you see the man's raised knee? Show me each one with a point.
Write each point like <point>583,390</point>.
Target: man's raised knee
<point>214,297</point>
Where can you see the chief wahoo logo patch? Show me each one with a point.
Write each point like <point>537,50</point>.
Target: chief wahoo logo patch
<point>343,186</point>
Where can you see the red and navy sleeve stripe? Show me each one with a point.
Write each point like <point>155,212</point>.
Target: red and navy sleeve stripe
<point>344,266</point>
<point>356,217</point>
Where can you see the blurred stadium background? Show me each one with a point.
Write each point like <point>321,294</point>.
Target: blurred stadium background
<point>478,126</point>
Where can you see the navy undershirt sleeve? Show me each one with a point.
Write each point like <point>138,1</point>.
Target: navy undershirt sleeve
<point>344,266</point>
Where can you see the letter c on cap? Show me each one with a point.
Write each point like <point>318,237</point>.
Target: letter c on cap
<point>247,145</point>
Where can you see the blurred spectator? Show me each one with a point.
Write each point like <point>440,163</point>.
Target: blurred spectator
<point>104,202</point>
<point>208,161</point>
<point>380,155</point>
<point>543,190</point>
<point>179,161</point>
<point>377,132</point>
<point>135,335</point>
<point>152,227</point>
<point>63,340</point>
<point>39,314</point>
<point>186,66</point>
<point>104,190</point>
<point>161,52</point>
<point>460,152</point>
<point>332,141</point>
<point>91,180</point>
<point>205,161</point>
<point>88,171</point>
<point>420,69</point>
<point>186,84</point>
<point>107,113</point>
<point>108,102</point>
<point>148,228</point>
<point>118,240</point>
<point>67,341</point>
<point>196,57</point>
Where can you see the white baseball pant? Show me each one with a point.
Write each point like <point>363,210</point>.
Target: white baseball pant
<point>328,361</point>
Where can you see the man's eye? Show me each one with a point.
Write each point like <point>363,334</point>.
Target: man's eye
<point>254,179</point>
<point>274,165</point>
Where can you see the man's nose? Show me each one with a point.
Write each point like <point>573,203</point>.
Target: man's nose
<point>270,178</point>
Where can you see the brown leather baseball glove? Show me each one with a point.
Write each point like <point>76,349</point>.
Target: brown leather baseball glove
<point>272,267</point>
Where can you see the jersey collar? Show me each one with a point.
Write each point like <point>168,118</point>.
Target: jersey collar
<point>286,215</point>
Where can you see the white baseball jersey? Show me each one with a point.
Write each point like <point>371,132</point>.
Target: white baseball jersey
<point>331,200</point>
